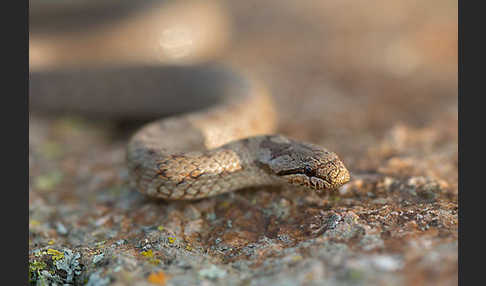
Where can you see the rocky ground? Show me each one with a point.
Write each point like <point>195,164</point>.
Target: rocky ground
<point>374,81</point>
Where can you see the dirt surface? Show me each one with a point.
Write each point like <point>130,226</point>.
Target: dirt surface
<point>374,81</point>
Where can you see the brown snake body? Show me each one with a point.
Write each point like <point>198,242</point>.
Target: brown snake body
<point>218,149</point>
<point>219,145</point>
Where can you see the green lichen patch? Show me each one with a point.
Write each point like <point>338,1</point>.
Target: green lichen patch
<point>56,254</point>
<point>35,268</point>
<point>151,258</point>
<point>54,267</point>
<point>148,253</point>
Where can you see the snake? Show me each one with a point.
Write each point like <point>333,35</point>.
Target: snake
<point>229,142</point>
<point>209,128</point>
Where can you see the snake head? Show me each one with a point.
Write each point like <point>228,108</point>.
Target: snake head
<point>303,164</point>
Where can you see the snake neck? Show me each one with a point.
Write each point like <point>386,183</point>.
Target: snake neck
<point>202,173</point>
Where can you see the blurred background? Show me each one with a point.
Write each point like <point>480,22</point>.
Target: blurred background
<point>375,81</point>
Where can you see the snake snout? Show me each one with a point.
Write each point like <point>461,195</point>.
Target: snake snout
<point>337,174</point>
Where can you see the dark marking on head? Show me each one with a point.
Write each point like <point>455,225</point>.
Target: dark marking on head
<point>277,149</point>
<point>302,163</point>
<point>245,142</point>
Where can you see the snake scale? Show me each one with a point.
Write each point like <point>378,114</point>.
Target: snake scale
<point>223,147</point>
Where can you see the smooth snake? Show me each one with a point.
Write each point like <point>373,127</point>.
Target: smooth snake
<point>224,142</point>
<point>221,148</point>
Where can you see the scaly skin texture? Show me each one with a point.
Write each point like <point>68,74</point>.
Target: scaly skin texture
<point>221,148</point>
<point>210,152</point>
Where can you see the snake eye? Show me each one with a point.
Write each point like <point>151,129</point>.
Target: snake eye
<point>309,171</point>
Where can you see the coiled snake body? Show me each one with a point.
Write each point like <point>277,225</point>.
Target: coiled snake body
<point>215,150</point>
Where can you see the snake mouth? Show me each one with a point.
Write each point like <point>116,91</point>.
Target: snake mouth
<point>332,180</point>
<point>314,183</point>
<point>308,182</point>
